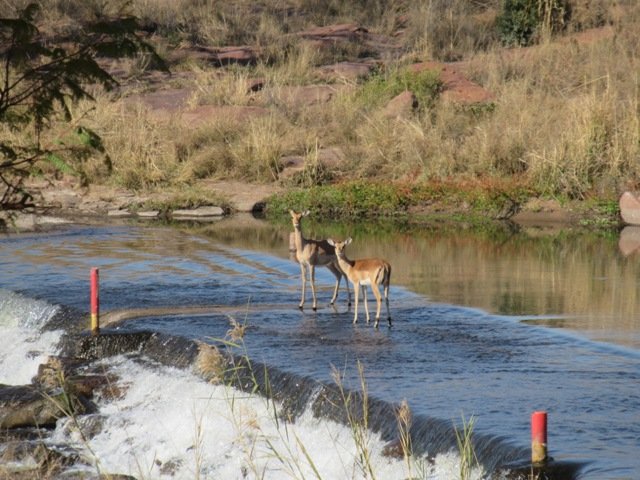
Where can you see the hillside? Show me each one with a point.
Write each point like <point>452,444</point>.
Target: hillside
<point>429,98</point>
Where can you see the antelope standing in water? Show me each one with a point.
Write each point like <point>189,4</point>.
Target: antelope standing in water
<point>311,253</point>
<point>368,271</point>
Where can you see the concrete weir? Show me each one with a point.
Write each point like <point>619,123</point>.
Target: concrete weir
<point>297,394</point>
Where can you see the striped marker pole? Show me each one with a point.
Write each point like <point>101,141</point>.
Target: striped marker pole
<point>538,437</point>
<point>95,302</point>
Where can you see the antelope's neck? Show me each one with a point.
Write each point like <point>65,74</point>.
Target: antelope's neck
<point>345,264</point>
<point>297,238</point>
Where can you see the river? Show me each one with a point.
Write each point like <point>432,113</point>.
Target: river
<point>488,324</point>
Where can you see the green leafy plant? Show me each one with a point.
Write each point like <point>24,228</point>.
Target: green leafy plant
<point>40,77</point>
<point>522,20</point>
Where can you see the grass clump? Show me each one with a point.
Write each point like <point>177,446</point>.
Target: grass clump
<point>464,439</point>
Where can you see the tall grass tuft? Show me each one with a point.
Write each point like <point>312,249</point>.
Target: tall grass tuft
<point>464,439</point>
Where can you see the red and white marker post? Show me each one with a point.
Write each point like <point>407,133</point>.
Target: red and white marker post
<point>538,437</point>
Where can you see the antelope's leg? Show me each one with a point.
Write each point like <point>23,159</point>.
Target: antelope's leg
<point>312,275</point>
<point>366,303</point>
<point>338,274</point>
<point>356,290</point>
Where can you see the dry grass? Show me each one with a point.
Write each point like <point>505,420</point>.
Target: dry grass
<point>565,118</point>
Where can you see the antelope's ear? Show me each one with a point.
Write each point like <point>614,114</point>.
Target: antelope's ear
<point>347,241</point>
<point>331,242</point>
<point>292,213</point>
<point>305,213</point>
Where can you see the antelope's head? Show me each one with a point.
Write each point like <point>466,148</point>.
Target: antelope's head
<point>339,246</point>
<point>296,218</point>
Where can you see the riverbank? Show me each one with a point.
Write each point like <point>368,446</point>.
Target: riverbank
<point>66,201</point>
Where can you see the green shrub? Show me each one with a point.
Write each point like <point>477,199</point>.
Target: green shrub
<point>346,200</point>
<point>521,21</point>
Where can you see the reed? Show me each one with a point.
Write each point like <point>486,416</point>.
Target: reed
<point>464,439</point>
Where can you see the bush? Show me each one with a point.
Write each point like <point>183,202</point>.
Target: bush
<point>523,21</point>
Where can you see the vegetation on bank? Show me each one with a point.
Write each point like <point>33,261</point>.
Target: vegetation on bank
<point>564,122</point>
<point>366,199</point>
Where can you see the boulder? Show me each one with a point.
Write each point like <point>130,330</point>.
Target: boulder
<point>401,105</point>
<point>630,208</point>
<point>27,406</point>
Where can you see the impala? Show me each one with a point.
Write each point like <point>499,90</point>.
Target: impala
<point>369,271</point>
<point>311,253</point>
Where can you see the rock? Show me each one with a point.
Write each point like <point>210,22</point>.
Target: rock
<point>170,99</point>
<point>199,212</point>
<point>219,56</point>
<point>331,157</point>
<point>256,84</point>
<point>34,459</point>
<point>61,197</point>
<point>243,55</point>
<point>27,406</point>
<point>456,87</point>
<point>329,35</point>
<point>301,96</point>
<point>630,208</point>
<point>401,105</point>
<point>89,425</point>
<point>119,213</point>
<point>23,222</point>
<point>347,70</point>
<point>246,197</point>
<point>149,214</point>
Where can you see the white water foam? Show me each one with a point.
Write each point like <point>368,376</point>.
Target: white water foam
<point>172,424</point>
<point>22,345</point>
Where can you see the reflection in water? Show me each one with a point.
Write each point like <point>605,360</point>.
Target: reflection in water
<point>579,275</point>
<point>589,279</point>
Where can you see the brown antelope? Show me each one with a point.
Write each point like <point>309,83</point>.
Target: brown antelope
<point>369,271</point>
<point>311,253</point>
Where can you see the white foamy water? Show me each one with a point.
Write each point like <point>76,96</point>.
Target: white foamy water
<point>22,345</point>
<point>172,424</point>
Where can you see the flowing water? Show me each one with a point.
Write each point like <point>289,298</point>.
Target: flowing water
<point>493,325</point>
